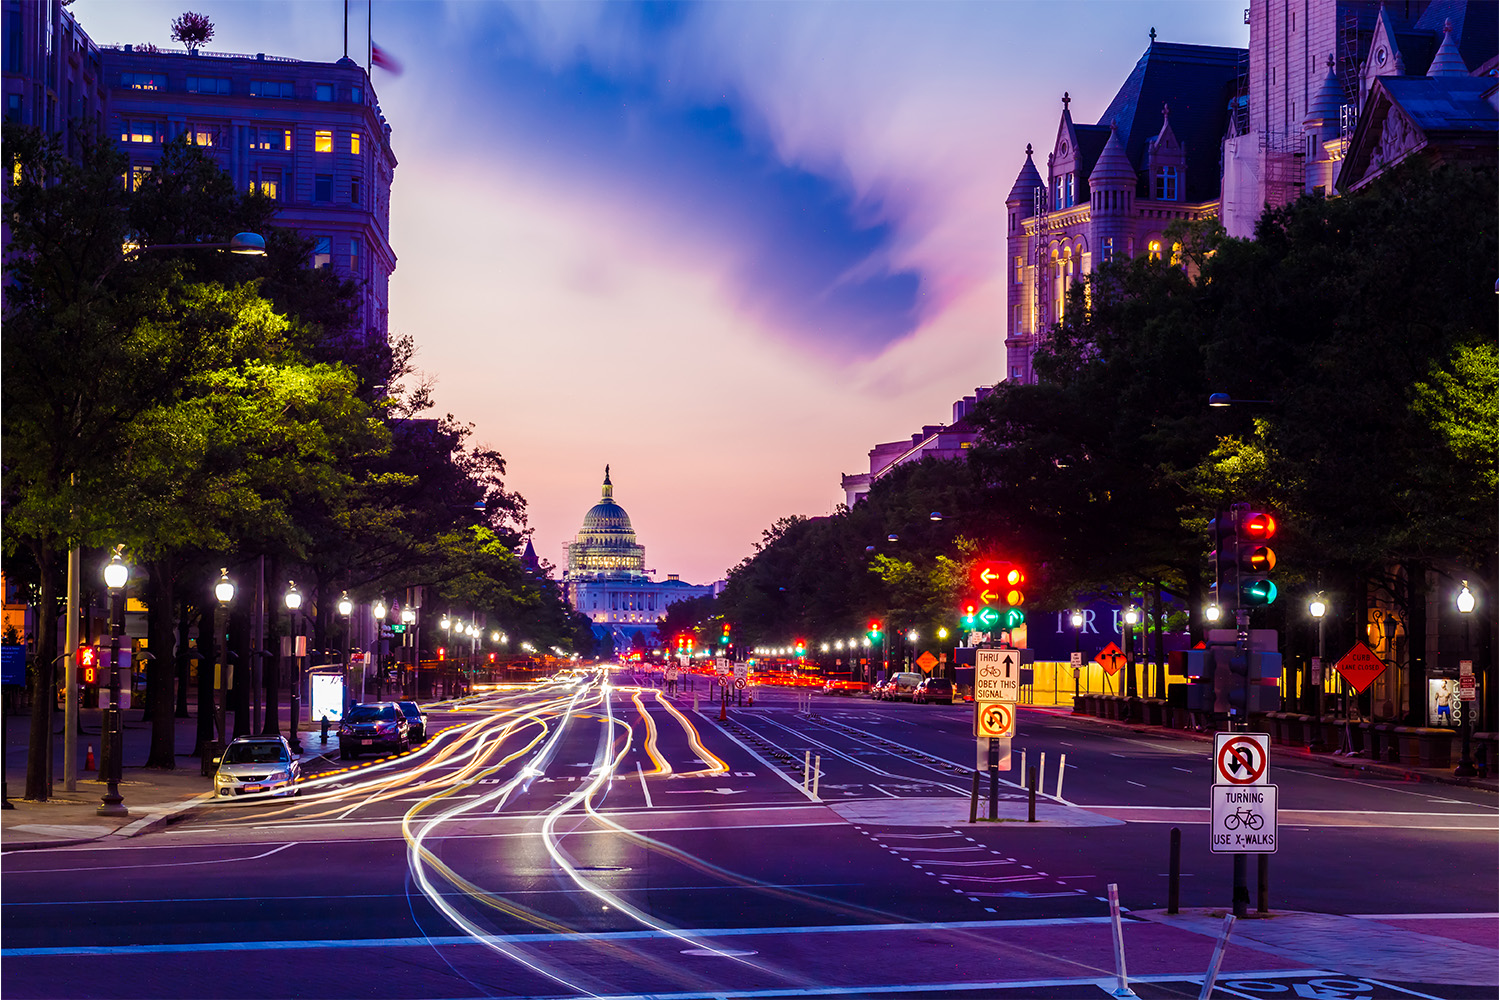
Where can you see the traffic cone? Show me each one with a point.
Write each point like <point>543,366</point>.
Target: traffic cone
<point>88,762</point>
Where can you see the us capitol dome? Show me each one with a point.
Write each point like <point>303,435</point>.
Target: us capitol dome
<point>608,581</point>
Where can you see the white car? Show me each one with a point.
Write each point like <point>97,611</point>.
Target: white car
<point>257,764</point>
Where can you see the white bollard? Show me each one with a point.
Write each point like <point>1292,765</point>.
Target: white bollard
<point>695,701</point>
<point>806,768</point>
<point>1062,766</point>
<point>1122,988</point>
<point>1023,769</point>
<point>817,773</point>
<point>1213,965</point>
<point>1041,774</point>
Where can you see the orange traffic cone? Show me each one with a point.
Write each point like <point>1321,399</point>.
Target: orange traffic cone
<point>88,762</point>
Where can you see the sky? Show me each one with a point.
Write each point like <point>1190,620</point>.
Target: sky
<point>725,248</point>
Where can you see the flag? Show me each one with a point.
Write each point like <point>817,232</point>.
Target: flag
<point>380,57</point>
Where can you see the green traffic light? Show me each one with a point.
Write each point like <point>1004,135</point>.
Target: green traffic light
<point>1259,593</point>
<point>1014,617</point>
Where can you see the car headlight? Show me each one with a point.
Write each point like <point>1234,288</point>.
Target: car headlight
<point>280,776</point>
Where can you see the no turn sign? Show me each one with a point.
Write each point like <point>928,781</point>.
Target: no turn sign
<point>994,719</point>
<point>1241,758</point>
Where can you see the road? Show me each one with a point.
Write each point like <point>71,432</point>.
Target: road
<point>584,840</point>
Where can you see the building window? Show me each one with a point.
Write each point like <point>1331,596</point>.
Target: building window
<point>1013,222</point>
<point>322,141</point>
<point>1070,198</point>
<point>354,190</point>
<point>1015,321</point>
<point>273,88</point>
<point>1015,372</point>
<point>269,185</point>
<point>12,107</point>
<point>354,143</point>
<point>1153,249</point>
<point>1019,274</point>
<point>1166,184</point>
<point>139,175</point>
<point>143,81</point>
<point>357,95</point>
<point>138,131</point>
<point>202,135</point>
<point>323,187</point>
<point>322,251</point>
<point>277,140</point>
<point>207,85</point>
<point>354,255</point>
<point>325,91</point>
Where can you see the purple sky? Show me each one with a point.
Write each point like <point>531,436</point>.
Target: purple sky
<point>725,248</point>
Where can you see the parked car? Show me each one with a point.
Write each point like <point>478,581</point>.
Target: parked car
<point>877,689</point>
<point>263,764</point>
<point>901,685</point>
<point>416,721</point>
<point>373,726</point>
<point>933,689</point>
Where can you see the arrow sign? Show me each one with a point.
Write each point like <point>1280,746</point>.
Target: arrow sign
<point>996,677</point>
<point>988,597</point>
<point>987,616</point>
<point>988,576</point>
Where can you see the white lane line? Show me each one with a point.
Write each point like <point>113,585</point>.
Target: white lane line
<point>769,766</point>
<point>882,791</point>
<point>167,864</point>
<point>644,790</point>
<point>1135,783</point>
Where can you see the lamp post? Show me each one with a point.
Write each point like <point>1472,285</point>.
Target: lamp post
<point>346,608</point>
<point>293,601</point>
<point>1312,694</point>
<point>378,611</point>
<point>1077,620</point>
<point>1131,617</point>
<point>116,573</point>
<point>1465,604</point>
<point>224,592</point>
<point>408,638</point>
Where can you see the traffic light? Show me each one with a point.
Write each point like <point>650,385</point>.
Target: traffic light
<point>968,615</point>
<point>1242,559</point>
<point>873,631</point>
<point>724,638</point>
<point>88,665</point>
<point>801,647</point>
<point>1013,595</point>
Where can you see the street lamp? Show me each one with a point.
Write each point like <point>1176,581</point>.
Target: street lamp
<point>1465,604</point>
<point>1077,619</point>
<point>1312,698</point>
<point>1211,613</point>
<point>293,601</point>
<point>379,611</point>
<point>346,608</point>
<point>408,638</point>
<point>116,573</point>
<point>224,592</point>
<point>1131,617</point>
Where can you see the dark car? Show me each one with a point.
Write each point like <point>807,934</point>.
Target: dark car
<point>416,722</point>
<point>934,689</point>
<point>373,726</point>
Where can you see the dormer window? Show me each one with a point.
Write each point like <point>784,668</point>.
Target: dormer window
<point>1071,195</point>
<point>1166,184</point>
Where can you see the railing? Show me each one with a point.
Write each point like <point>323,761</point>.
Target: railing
<point>203,54</point>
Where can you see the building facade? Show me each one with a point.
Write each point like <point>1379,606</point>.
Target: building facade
<point>1112,188</point>
<point>309,135</point>
<point>945,441</point>
<point>607,579</point>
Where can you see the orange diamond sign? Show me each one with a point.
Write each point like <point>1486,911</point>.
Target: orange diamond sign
<point>1111,658</point>
<point>927,661</point>
<point>1360,666</point>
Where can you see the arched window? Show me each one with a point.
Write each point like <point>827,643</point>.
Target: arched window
<point>1154,249</point>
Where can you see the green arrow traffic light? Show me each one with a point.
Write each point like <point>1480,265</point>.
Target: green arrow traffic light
<point>987,617</point>
<point>1014,617</point>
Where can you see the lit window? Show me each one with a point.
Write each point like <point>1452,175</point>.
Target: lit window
<point>277,140</point>
<point>322,141</point>
<point>325,91</point>
<point>1020,271</point>
<point>354,143</point>
<point>143,81</point>
<point>272,88</point>
<point>1166,184</point>
<point>1154,249</point>
<point>1108,250</point>
<point>207,85</point>
<point>1015,320</point>
<point>322,252</point>
<point>203,135</point>
<point>139,175</point>
<point>134,131</point>
<point>269,186</point>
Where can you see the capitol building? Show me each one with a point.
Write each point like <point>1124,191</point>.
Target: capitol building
<point>607,579</point>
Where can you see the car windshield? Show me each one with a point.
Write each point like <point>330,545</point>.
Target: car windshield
<point>371,713</point>
<point>410,708</point>
<point>255,753</point>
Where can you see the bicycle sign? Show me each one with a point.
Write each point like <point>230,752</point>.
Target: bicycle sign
<point>1243,820</point>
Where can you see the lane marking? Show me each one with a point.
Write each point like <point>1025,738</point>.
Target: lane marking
<point>644,790</point>
<point>166,864</point>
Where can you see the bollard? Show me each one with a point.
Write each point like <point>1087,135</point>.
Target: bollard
<point>1262,883</point>
<point>817,773</point>
<point>994,762</point>
<point>1213,965</point>
<point>1122,981</point>
<point>1031,796</point>
<point>806,768</point>
<point>974,800</point>
<point>695,701</point>
<point>325,728</point>
<point>1041,773</point>
<point>1023,764</point>
<point>1062,765</point>
<point>1174,871</point>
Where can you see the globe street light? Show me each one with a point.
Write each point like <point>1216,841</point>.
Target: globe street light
<point>224,593</point>
<point>1131,617</point>
<point>346,608</point>
<point>116,573</point>
<point>408,636</point>
<point>1077,619</point>
<point>379,611</point>
<point>1465,604</point>
<point>1312,698</point>
<point>293,601</point>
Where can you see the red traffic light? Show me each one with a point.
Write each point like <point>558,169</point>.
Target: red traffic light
<point>88,656</point>
<point>1257,525</point>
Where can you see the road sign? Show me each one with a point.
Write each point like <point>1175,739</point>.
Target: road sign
<point>1111,658</point>
<point>1466,668</point>
<point>739,682</point>
<point>927,661</point>
<point>1077,659</point>
<point>741,672</point>
<point>1466,687</point>
<point>1243,820</point>
<point>1360,666</point>
<point>997,674</point>
<point>721,665</point>
<point>994,719</point>
<point>14,660</point>
<point>1241,758</point>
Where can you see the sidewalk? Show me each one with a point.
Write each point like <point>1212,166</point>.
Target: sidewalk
<point>1407,772</point>
<point>152,796</point>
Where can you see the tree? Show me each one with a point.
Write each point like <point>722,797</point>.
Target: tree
<point>192,30</point>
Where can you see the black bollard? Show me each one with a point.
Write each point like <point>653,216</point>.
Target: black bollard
<point>1262,883</point>
<point>1031,795</point>
<point>325,728</point>
<point>974,800</point>
<point>994,762</point>
<point>1174,871</point>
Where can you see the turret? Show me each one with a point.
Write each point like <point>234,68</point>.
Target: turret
<point>1019,205</point>
<point>1320,127</point>
<point>1111,199</point>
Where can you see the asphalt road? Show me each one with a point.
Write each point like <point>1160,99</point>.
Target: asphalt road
<point>556,841</point>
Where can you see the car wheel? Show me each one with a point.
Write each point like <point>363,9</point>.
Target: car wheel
<point>404,745</point>
<point>345,754</point>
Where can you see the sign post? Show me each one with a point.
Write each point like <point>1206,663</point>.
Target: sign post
<point>1242,806</point>
<point>997,687</point>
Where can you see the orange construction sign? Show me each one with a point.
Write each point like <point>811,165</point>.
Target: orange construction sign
<point>1111,658</point>
<point>1360,666</point>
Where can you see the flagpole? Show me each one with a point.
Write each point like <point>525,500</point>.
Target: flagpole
<point>369,37</point>
<point>346,29</point>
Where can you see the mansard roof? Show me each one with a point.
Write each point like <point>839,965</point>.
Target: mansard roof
<point>1476,28</point>
<point>1197,82</point>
